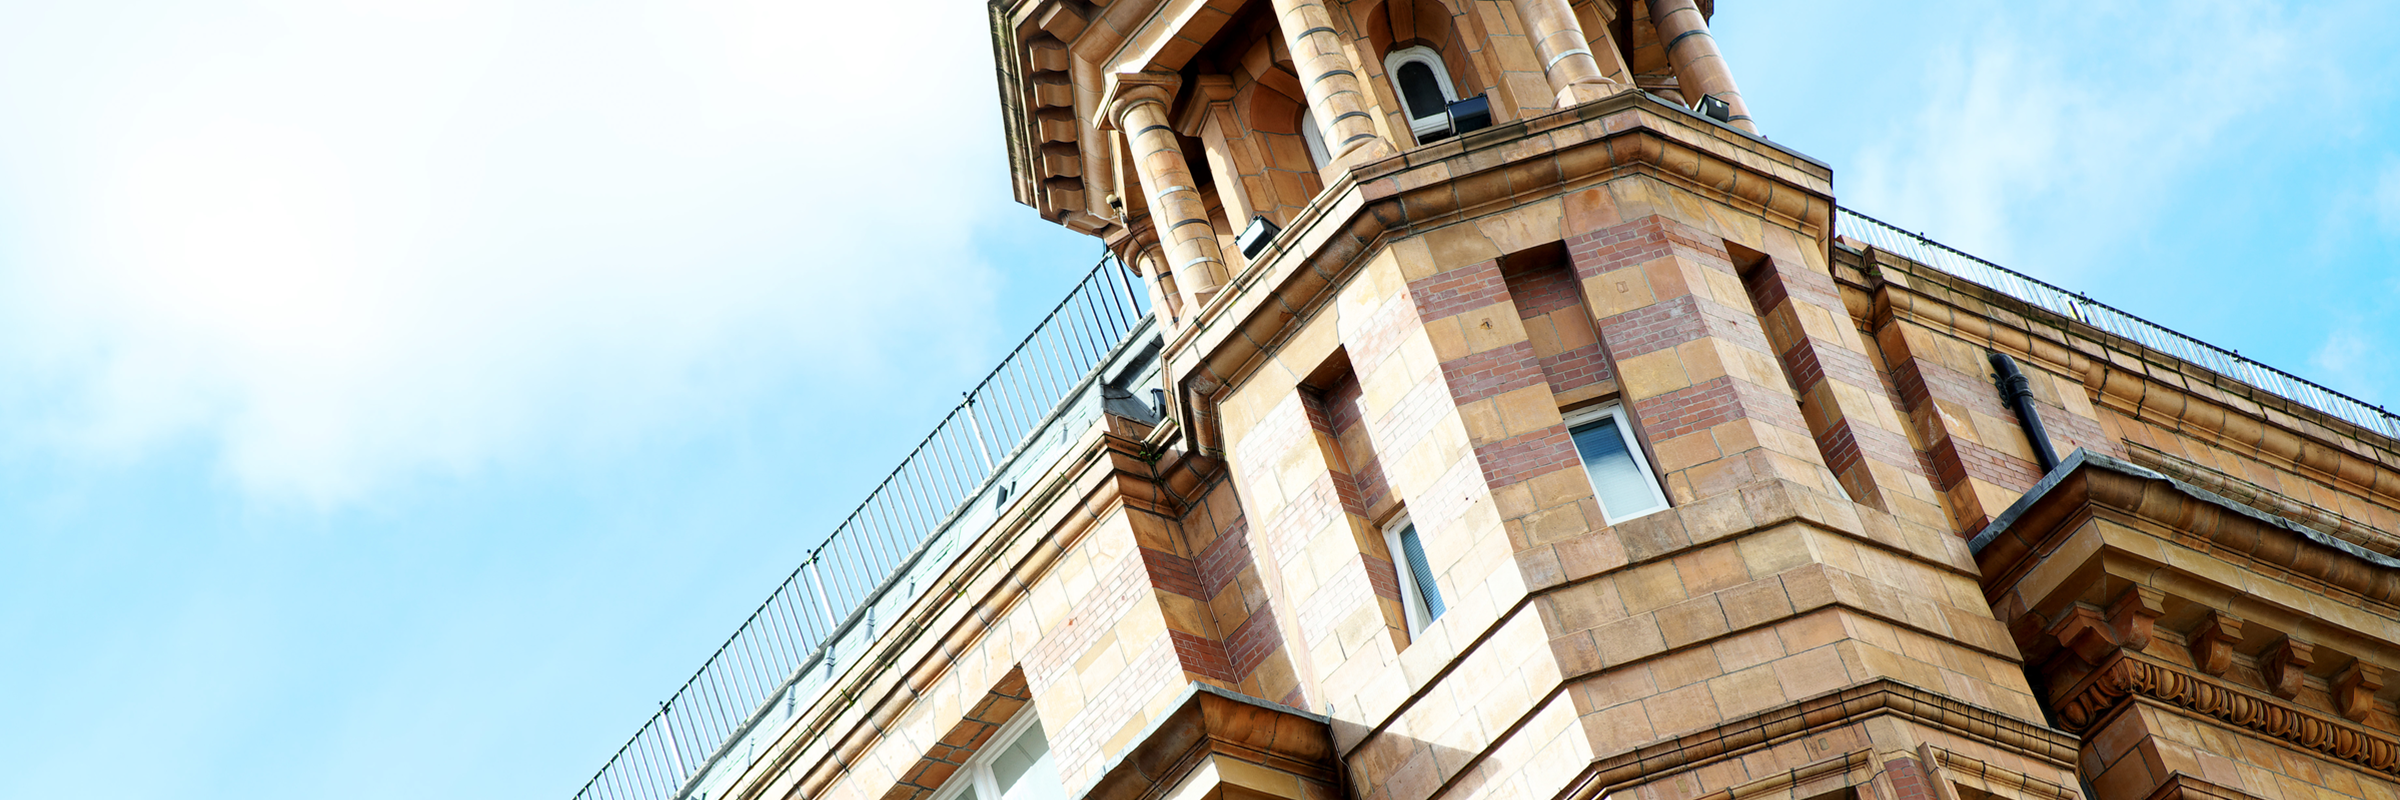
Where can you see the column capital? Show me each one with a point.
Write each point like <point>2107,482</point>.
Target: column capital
<point>1129,89</point>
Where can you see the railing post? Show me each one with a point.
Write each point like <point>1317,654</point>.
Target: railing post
<point>666,722</point>
<point>977,429</point>
<point>824,606</point>
<point>1133,299</point>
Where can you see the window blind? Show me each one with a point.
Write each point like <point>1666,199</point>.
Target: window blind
<point>1624,491</point>
<point>1420,572</point>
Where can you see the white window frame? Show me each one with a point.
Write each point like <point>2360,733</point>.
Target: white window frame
<point>976,771</point>
<point>1314,139</point>
<point>1412,601</point>
<point>1633,447</point>
<point>1437,119</point>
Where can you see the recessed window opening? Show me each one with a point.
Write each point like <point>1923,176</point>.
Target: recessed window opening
<point>1014,765</point>
<point>1420,594</point>
<point>1315,139</point>
<point>1423,83</point>
<point>1613,460</point>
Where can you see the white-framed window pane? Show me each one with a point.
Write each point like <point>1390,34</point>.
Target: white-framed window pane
<point>1617,474</point>
<point>1420,572</point>
<point>1315,139</point>
<point>1420,91</point>
<point>1023,771</point>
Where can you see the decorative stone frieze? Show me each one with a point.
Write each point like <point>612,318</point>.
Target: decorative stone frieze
<point>2127,677</point>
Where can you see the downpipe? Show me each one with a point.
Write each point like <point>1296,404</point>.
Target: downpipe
<point>2017,391</point>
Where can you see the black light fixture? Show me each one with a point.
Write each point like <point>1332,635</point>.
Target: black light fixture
<point>1716,108</point>
<point>1254,239</point>
<point>1471,114</point>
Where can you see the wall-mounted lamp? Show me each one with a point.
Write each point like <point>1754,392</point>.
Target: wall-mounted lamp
<point>1471,114</point>
<point>1716,109</point>
<point>1254,239</point>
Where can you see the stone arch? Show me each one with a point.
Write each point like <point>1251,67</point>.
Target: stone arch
<point>1387,26</point>
<point>1271,107</point>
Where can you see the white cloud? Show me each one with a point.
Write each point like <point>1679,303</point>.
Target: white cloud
<point>350,243</point>
<point>2076,116</point>
<point>2353,361</point>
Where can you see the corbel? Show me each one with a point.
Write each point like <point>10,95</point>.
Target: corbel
<point>2354,689</point>
<point>2084,632</point>
<point>1065,19</point>
<point>2135,615</point>
<point>2212,642</point>
<point>2286,665</point>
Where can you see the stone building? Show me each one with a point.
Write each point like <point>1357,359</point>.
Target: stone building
<point>1531,429</point>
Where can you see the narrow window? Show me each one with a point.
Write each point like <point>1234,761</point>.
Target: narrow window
<point>1620,476</point>
<point>1013,765</point>
<point>1425,93</point>
<point>1317,154</point>
<point>1420,594</point>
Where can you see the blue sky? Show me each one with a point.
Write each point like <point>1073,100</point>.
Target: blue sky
<point>398,399</point>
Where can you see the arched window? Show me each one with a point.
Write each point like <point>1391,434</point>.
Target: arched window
<point>1424,87</point>
<point>1317,154</point>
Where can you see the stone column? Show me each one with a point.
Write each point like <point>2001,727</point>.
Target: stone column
<point>1566,52</point>
<point>1699,69</point>
<point>1177,211</point>
<point>1331,83</point>
<point>1163,292</point>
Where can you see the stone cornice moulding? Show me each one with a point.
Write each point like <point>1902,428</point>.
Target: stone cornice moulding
<point>1952,767</point>
<point>2027,530</point>
<point>1883,697</point>
<point>1204,721</point>
<point>2114,686</point>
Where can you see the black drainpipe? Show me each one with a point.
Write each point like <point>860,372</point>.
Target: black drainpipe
<point>2019,395</point>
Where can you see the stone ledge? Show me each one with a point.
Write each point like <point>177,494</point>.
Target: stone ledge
<point>1880,698</point>
<point>1217,742</point>
<point>2020,534</point>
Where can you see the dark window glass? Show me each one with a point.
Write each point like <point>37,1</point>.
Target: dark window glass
<point>1422,93</point>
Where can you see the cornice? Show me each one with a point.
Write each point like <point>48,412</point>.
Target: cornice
<point>1808,717</point>
<point>1206,720</point>
<point>2118,682</point>
<point>2027,529</point>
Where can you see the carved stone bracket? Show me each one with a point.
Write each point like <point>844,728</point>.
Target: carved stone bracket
<point>2354,690</point>
<point>2134,614</point>
<point>2129,623</point>
<point>2082,631</point>
<point>2286,665</point>
<point>2212,642</point>
<point>2125,676</point>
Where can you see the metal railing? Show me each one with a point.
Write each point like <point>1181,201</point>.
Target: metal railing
<point>2104,317</point>
<point>858,563</point>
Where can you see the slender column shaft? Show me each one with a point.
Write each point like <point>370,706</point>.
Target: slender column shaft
<point>1177,211</point>
<point>1699,69</point>
<point>1565,51</point>
<point>1330,81</point>
<point>1163,292</point>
